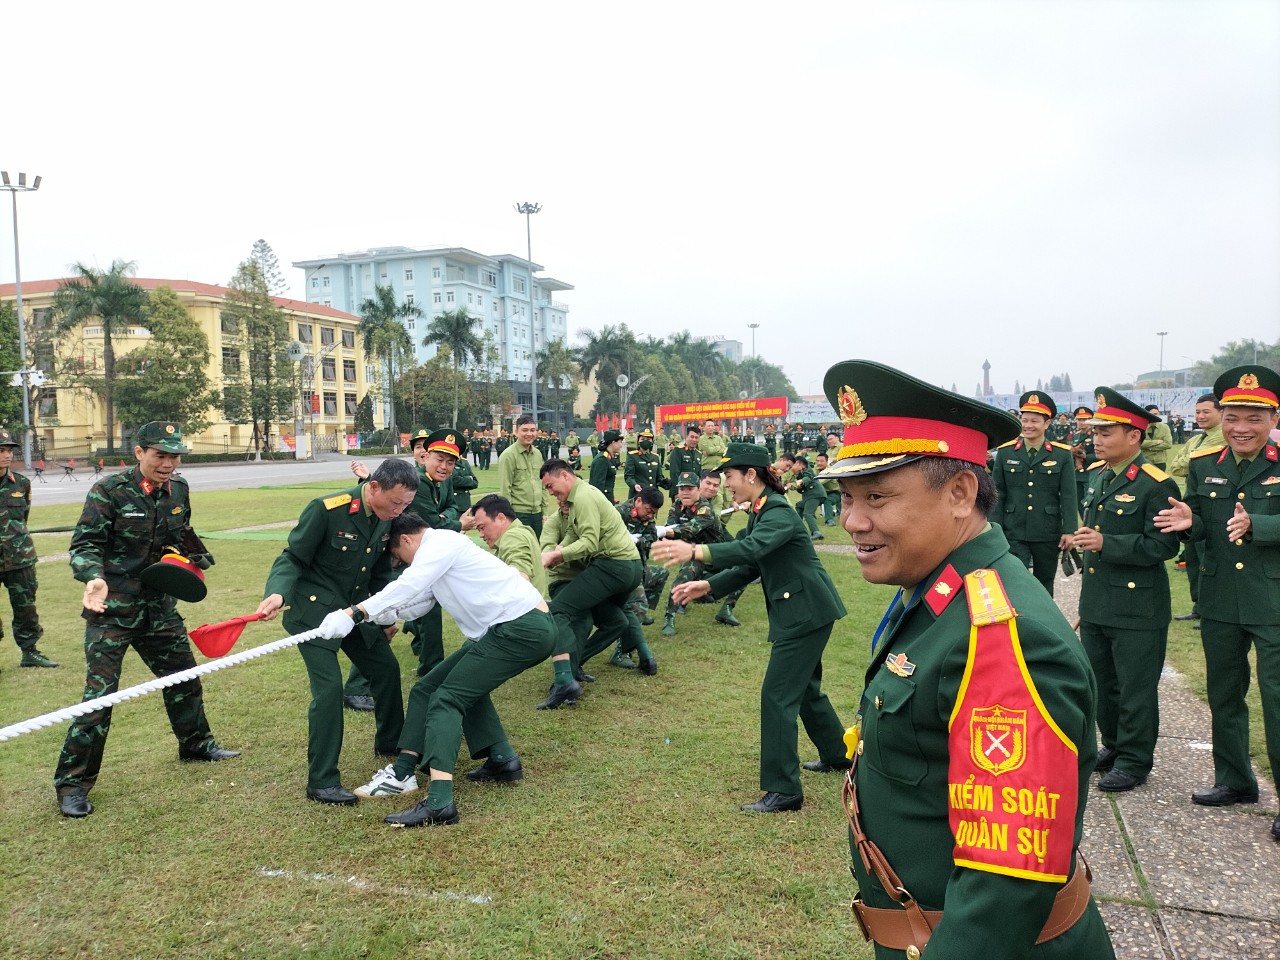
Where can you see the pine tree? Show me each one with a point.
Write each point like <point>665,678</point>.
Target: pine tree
<point>265,258</point>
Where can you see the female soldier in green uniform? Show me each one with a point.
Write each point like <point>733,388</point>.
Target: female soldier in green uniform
<point>803,606</point>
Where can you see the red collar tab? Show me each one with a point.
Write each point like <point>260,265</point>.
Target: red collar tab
<point>355,506</point>
<point>1132,471</point>
<point>944,590</point>
<point>146,486</point>
<point>1222,456</point>
<point>1047,446</point>
<point>1018,445</point>
<point>634,515</point>
<point>759,504</point>
<point>1270,454</point>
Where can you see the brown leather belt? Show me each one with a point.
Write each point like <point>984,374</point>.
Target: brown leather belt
<point>908,927</point>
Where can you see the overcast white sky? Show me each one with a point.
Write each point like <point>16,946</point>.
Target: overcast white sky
<point>1041,184</point>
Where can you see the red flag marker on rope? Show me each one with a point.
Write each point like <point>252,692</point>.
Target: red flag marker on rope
<point>217,639</point>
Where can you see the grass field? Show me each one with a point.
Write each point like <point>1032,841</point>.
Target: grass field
<point>624,840</point>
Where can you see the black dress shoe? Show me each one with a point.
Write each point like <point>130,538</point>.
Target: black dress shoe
<point>1220,795</point>
<point>821,766</point>
<point>1275,829</point>
<point>582,676</point>
<point>1106,759</point>
<point>424,816</point>
<point>75,805</point>
<point>775,803</point>
<point>339,795</point>
<point>207,754</point>
<point>562,695</point>
<point>1117,781</point>
<point>1187,616</point>
<point>362,703</point>
<point>508,771</point>
<point>649,667</point>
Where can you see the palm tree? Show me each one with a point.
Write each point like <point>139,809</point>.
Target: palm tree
<point>115,301</point>
<point>605,355</point>
<point>556,365</point>
<point>455,329</point>
<point>384,336</point>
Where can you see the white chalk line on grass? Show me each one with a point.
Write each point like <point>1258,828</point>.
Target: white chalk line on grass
<point>360,883</point>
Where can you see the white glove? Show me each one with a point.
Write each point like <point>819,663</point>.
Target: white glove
<point>336,626</point>
<point>635,537</point>
<point>662,532</point>
<point>387,617</point>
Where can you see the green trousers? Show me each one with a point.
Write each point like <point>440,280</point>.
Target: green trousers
<point>532,520</point>
<point>453,699</point>
<point>792,690</point>
<point>1227,676</point>
<point>1041,558</point>
<point>427,645</point>
<point>808,510</point>
<point>1192,551</point>
<point>324,717</point>
<point>831,507</point>
<point>1127,665</point>
<point>598,595</point>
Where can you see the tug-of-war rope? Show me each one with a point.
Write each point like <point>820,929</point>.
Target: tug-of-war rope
<point>151,686</point>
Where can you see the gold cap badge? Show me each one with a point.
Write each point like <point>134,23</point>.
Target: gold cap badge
<point>852,412</point>
<point>168,428</point>
<point>1034,398</point>
<point>1248,382</point>
<point>450,439</point>
<point>1102,401</point>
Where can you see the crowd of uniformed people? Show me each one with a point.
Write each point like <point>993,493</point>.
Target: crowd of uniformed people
<point>943,496</point>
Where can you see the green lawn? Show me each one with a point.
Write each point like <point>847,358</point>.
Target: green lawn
<point>624,840</point>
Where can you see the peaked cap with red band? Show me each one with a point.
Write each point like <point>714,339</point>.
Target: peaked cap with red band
<point>1037,401</point>
<point>891,419</point>
<point>1115,408</point>
<point>176,576</point>
<point>1248,386</point>
<point>445,441</point>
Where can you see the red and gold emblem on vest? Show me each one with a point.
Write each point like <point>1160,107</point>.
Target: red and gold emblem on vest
<point>998,738</point>
<point>1248,382</point>
<point>850,406</point>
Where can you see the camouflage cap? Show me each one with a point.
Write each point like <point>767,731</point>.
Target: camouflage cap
<point>6,439</point>
<point>162,435</point>
<point>688,479</point>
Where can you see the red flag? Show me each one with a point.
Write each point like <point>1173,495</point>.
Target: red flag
<point>217,639</point>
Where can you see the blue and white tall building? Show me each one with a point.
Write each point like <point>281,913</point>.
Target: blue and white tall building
<point>494,290</point>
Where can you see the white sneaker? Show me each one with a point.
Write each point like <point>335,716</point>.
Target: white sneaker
<point>385,784</point>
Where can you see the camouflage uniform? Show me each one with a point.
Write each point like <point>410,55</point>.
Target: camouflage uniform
<point>699,523</point>
<point>646,595</point>
<point>18,559</point>
<point>126,525</point>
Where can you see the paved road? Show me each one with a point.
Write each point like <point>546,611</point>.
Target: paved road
<point>211,476</point>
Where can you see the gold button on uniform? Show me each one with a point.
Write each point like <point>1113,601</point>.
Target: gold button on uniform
<point>860,743</point>
<point>344,549</point>
<point>786,596</point>
<point>1240,495</point>
<point>368,549</point>
<point>1031,483</point>
<point>313,598</point>
<point>1213,493</point>
<point>878,702</point>
<point>913,952</point>
<point>1091,569</point>
<point>1239,566</point>
<point>1132,585</point>
<point>1239,543</point>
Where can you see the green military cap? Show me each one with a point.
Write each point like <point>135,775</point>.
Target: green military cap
<point>745,455</point>
<point>1114,407</point>
<point>6,440</point>
<point>161,435</point>
<point>688,479</point>
<point>419,436</point>
<point>1083,413</point>
<point>610,436</point>
<point>1037,401</point>
<point>891,419</point>
<point>1248,386</point>
<point>444,440</point>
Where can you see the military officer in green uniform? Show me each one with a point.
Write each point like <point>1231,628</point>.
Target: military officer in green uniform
<point>1159,439</point>
<point>604,464</point>
<point>553,446</point>
<point>518,475</point>
<point>485,459</point>
<point>1124,593</point>
<point>502,442</point>
<point>977,690</point>
<point>638,515</point>
<point>643,468</point>
<point>712,446</point>
<point>1081,442</point>
<point>1036,483</point>
<point>693,519</point>
<point>803,607</point>
<point>771,441</point>
<point>684,459</point>
<point>130,520</point>
<point>336,556</point>
<point>1232,507</point>
<point>812,496</point>
<point>463,481</point>
<point>571,439</point>
<point>1209,421</point>
<point>18,556</point>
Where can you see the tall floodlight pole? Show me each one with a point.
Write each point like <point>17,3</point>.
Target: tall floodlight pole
<point>529,209</point>
<point>755,367</point>
<point>14,189</point>
<point>754,327</point>
<point>1162,334</point>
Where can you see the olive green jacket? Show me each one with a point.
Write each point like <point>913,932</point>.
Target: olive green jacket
<point>775,547</point>
<point>518,548</point>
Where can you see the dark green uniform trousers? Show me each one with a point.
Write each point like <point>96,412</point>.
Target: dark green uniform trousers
<point>1041,558</point>
<point>1127,665</point>
<point>324,716</point>
<point>1191,553</point>
<point>793,689</point>
<point>597,596</point>
<point>1226,655</point>
<point>532,520</point>
<point>427,645</point>
<point>453,699</point>
<point>808,510</point>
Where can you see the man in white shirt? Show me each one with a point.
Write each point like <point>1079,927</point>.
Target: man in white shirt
<point>507,629</point>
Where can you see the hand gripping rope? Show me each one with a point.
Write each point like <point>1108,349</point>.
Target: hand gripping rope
<point>151,686</point>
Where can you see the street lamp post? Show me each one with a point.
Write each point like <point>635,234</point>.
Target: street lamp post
<point>14,189</point>
<point>755,367</point>
<point>529,209</point>
<point>1162,334</point>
